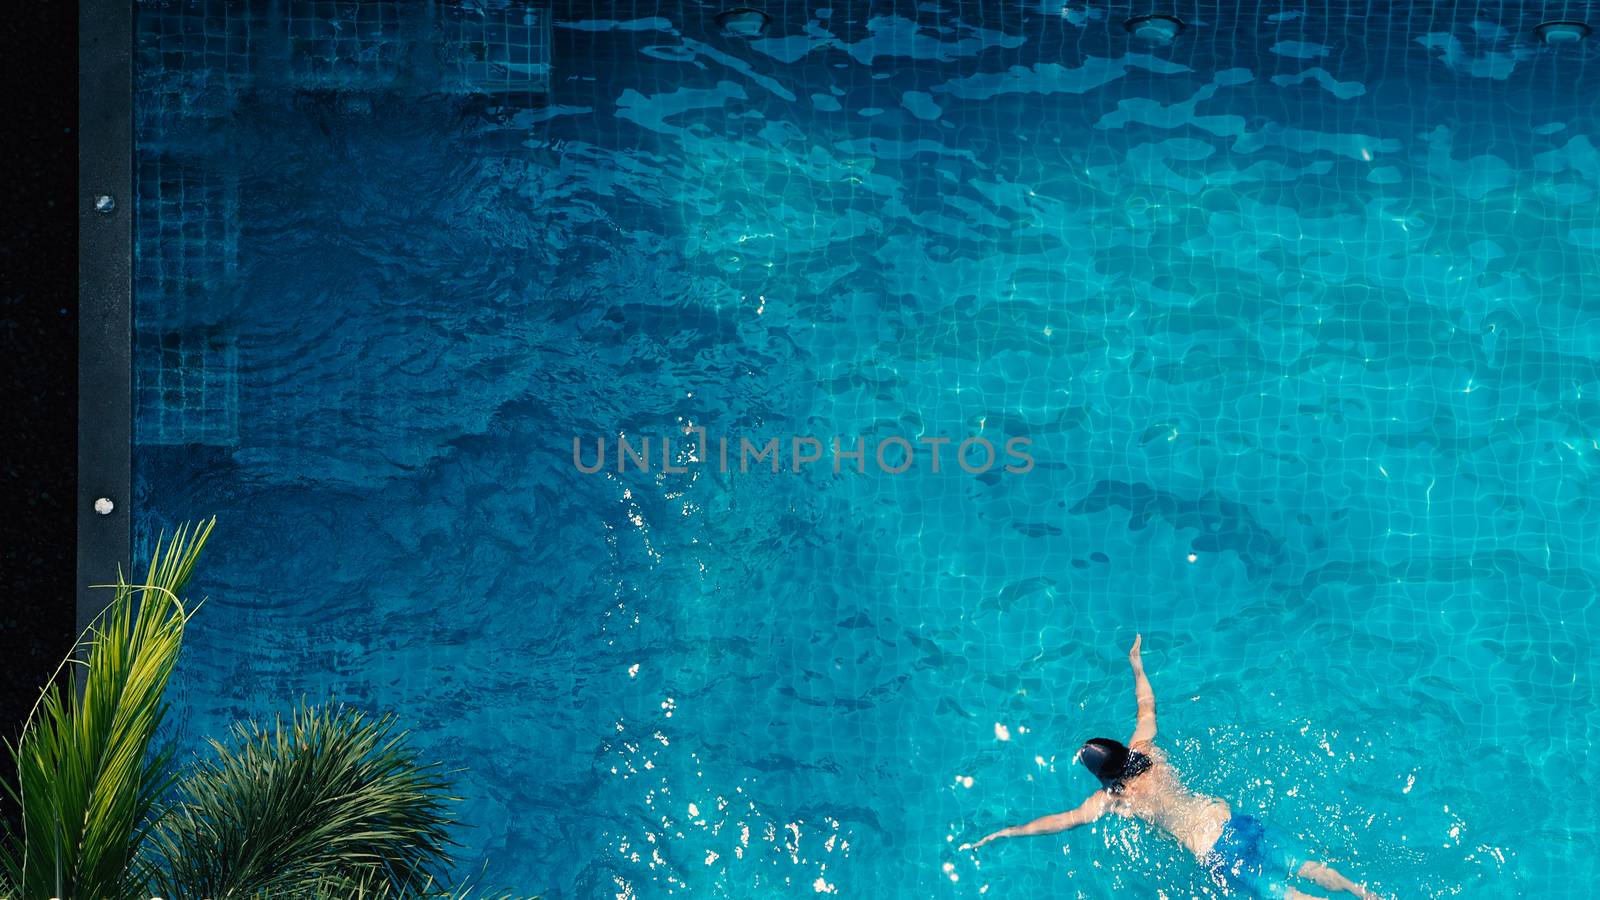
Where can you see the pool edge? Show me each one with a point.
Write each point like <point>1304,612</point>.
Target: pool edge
<point>105,288</point>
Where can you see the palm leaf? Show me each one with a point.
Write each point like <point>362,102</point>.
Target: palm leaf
<point>87,781</point>
<point>333,804</point>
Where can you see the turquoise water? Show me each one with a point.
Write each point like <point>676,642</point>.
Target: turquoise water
<point>1297,313</point>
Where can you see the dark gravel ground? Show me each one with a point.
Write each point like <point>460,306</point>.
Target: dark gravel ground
<point>38,350</point>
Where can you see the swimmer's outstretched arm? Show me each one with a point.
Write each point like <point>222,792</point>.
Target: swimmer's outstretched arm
<point>1146,728</point>
<point>1091,809</point>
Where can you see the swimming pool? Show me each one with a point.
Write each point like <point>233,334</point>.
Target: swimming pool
<point>1295,312</point>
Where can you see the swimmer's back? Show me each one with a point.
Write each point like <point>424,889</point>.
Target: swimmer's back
<point>1160,798</point>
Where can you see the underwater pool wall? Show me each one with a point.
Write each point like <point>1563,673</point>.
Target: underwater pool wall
<point>191,61</point>
<point>105,286</point>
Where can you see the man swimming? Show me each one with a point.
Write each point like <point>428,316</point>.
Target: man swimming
<point>1138,782</point>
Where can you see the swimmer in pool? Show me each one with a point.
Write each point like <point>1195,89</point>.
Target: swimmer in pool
<point>1138,782</point>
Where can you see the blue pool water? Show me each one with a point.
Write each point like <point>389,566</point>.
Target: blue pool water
<point>1298,312</point>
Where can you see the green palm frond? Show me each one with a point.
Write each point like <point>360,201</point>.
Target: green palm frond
<point>333,805</point>
<point>369,889</point>
<point>87,780</point>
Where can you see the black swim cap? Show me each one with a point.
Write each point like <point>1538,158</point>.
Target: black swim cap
<point>1112,762</point>
<point>1104,757</point>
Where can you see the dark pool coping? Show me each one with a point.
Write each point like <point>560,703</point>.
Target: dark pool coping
<point>105,286</point>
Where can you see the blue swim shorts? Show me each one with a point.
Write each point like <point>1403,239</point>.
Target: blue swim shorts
<point>1254,860</point>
